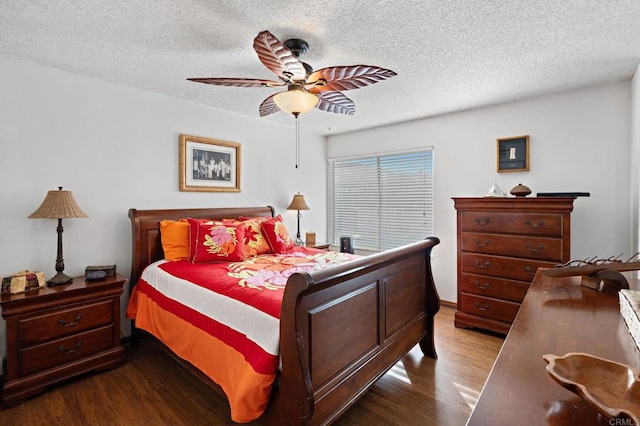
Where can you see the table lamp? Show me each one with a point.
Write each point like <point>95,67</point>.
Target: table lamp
<point>298,204</point>
<point>58,205</point>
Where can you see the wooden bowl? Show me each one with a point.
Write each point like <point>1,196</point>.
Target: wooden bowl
<point>610,387</point>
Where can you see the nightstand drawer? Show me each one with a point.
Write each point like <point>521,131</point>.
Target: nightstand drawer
<point>63,322</point>
<point>512,222</point>
<point>62,351</point>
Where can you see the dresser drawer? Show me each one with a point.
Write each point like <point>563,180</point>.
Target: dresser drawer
<point>504,267</point>
<point>63,322</point>
<point>498,288</point>
<point>488,307</point>
<point>59,352</point>
<point>549,249</point>
<point>548,224</point>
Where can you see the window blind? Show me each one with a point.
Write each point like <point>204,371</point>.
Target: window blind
<point>382,201</point>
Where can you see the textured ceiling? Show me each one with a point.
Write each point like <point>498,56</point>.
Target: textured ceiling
<point>449,55</point>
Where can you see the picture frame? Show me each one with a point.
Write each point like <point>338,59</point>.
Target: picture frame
<point>512,154</point>
<point>209,165</point>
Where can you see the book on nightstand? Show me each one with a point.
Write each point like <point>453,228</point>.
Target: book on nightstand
<point>630,310</point>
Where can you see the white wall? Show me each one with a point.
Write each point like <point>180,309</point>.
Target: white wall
<point>579,141</point>
<point>116,148</point>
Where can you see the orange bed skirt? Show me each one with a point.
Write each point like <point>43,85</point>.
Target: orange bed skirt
<point>247,390</point>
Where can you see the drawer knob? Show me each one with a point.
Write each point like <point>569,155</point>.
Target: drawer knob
<point>529,270</point>
<point>64,323</point>
<point>482,286</point>
<point>72,350</point>
<point>484,265</point>
<point>482,220</point>
<point>534,225</point>
<point>480,244</point>
<point>481,307</point>
<point>534,250</point>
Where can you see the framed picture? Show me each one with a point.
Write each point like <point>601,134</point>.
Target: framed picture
<point>209,165</point>
<point>513,154</point>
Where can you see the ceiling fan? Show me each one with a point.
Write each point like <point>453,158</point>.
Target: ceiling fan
<point>306,88</point>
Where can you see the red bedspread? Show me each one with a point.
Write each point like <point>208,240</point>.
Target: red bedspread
<point>224,318</point>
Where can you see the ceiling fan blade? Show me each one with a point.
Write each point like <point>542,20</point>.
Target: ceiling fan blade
<point>335,102</point>
<point>347,77</point>
<point>278,58</point>
<point>268,106</point>
<point>238,82</point>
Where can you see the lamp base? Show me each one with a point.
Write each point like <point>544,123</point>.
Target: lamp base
<point>298,242</point>
<point>58,279</point>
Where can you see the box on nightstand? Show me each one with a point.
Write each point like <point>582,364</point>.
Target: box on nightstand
<point>23,281</point>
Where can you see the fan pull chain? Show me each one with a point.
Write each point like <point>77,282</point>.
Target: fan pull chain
<point>297,140</point>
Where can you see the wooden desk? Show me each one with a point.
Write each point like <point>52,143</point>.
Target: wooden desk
<point>557,316</point>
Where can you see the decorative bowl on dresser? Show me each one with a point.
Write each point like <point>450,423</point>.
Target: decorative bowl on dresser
<point>501,243</point>
<point>55,333</point>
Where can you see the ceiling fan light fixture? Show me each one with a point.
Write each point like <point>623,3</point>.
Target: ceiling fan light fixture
<point>296,100</point>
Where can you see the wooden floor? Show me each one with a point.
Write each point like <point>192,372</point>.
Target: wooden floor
<point>152,389</point>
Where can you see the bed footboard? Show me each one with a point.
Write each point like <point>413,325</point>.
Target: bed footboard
<point>342,328</point>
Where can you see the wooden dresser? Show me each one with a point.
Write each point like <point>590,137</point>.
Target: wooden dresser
<point>501,243</point>
<point>558,316</point>
<point>58,332</point>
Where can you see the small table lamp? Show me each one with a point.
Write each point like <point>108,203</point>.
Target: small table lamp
<point>58,205</point>
<point>298,203</point>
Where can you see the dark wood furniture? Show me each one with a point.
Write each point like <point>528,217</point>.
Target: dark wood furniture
<point>341,328</point>
<point>557,316</point>
<point>320,246</point>
<point>501,243</point>
<point>55,333</point>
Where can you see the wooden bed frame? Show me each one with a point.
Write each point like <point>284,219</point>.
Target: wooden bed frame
<point>341,328</point>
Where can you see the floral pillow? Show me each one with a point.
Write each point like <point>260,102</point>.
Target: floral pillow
<point>277,235</point>
<point>212,241</point>
<point>255,242</point>
<point>174,235</point>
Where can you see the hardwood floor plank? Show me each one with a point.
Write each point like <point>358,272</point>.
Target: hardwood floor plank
<point>151,388</point>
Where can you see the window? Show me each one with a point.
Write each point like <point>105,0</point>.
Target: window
<point>382,201</point>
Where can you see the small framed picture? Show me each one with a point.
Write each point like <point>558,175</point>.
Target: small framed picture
<point>513,154</point>
<point>209,165</point>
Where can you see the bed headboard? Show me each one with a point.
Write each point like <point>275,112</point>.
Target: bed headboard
<point>145,230</point>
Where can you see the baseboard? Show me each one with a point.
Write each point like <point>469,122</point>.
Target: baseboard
<point>446,304</point>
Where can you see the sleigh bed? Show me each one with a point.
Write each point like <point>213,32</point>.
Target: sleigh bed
<point>340,328</point>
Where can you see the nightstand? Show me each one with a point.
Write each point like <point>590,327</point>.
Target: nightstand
<point>320,246</point>
<point>58,332</point>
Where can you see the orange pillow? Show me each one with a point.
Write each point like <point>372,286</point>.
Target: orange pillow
<point>254,241</point>
<point>174,235</point>
<point>212,241</point>
<point>277,234</point>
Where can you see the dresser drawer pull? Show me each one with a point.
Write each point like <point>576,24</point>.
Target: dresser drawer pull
<point>70,324</point>
<point>482,286</point>
<point>534,225</point>
<point>70,351</point>
<point>528,269</point>
<point>481,307</point>
<point>485,265</point>
<point>480,244</point>
<point>482,220</point>
<point>534,250</point>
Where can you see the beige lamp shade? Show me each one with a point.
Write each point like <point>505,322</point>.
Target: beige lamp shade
<point>296,100</point>
<point>298,203</point>
<point>58,205</point>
